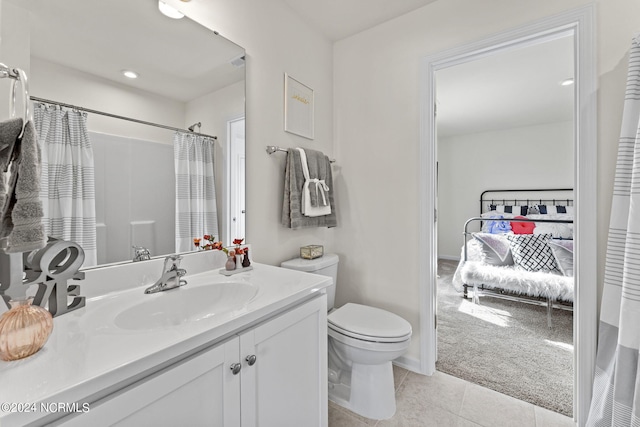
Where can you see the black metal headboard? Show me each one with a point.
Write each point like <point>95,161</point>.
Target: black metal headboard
<point>526,197</point>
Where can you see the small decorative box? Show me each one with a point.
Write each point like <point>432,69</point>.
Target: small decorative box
<point>311,251</point>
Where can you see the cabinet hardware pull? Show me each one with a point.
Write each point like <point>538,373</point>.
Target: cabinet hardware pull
<point>251,359</point>
<point>235,368</point>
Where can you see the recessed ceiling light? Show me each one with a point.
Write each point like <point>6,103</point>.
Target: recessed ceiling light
<point>130,74</point>
<point>567,82</point>
<point>169,11</point>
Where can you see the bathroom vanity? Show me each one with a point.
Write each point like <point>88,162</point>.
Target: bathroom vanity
<point>244,350</point>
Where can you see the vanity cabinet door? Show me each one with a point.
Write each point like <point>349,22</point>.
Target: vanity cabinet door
<point>284,369</point>
<point>200,391</point>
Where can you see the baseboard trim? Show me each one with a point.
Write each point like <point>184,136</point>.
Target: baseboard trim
<point>409,363</point>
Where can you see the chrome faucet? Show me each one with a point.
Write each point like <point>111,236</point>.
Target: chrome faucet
<point>140,253</point>
<point>171,276</point>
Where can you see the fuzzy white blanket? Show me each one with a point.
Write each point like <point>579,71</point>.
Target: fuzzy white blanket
<point>510,278</point>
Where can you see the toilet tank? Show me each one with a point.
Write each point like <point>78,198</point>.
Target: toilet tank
<point>326,265</point>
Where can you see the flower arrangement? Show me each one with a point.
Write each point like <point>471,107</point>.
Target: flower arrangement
<point>238,250</point>
<point>208,243</point>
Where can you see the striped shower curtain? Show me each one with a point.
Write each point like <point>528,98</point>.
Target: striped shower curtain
<point>67,180</point>
<point>616,389</point>
<point>196,211</point>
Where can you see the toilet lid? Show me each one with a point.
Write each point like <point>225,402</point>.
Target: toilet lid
<point>369,323</point>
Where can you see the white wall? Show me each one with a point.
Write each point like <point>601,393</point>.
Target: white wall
<point>525,157</point>
<point>376,119</point>
<point>14,48</point>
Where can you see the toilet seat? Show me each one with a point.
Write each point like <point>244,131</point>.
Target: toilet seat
<point>369,324</point>
<point>373,346</point>
<point>368,338</point>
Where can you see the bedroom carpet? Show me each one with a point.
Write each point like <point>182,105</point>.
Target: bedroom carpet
<point>506,346</point>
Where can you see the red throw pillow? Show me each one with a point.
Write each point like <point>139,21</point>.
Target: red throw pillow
<point>522,227</point>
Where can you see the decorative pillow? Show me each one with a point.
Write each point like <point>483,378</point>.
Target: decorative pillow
<point>531,252</point>
<point>559,230</point>
<point>554,209</point>
<point>496,248</point>
<point>522,227</point>
<point>532,210</point>
<point>516,210</point>
<point>563,252</point>
<point>496,227</point>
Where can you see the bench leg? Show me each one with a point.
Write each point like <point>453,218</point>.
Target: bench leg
<point>476,295</point>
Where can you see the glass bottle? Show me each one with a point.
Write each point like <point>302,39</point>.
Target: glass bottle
<point>24,329</point>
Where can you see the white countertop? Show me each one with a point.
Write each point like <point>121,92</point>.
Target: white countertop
<point>88,354</point>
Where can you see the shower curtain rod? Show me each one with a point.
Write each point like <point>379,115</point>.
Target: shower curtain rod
<point>115,116</point>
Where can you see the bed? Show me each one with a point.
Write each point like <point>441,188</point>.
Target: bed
<point>521,249</point>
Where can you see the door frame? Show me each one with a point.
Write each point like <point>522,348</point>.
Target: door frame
<point>229,168</point>
<point>581,23</point>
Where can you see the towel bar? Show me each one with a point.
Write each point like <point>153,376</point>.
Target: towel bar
<point>272,149</point>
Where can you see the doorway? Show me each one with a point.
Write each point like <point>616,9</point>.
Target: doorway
<point>498,120</point>
<point>236,184</point>
<point>579,24</point>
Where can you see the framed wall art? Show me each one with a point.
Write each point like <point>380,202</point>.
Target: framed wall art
<point>298,107</point>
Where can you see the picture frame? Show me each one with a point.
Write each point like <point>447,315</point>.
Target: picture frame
<point>298,108</point>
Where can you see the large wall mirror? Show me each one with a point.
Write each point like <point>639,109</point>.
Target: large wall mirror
<point>189,78</point>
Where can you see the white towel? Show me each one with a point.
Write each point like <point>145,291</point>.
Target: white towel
<point>321,187</point>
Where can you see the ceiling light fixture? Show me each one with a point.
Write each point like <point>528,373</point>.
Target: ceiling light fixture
<point>130,74</point>
<point>567,82</point>
<point>169,11</point>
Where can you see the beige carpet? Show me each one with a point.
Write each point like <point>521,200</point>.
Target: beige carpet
<point>506,346</point>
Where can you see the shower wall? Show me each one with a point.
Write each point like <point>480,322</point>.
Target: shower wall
<point>135,194</point>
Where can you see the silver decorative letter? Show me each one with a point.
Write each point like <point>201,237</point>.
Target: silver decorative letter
<point>51,268</point>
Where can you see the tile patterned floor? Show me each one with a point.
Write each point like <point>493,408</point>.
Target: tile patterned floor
<point>445,401</point>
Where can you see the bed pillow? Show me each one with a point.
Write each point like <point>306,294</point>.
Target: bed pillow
<point>496,248</point>
<point>511,209</point>
<point>522,227</point>
<point>563,252</point>
<point>531,252</point>
<point>559,230</point>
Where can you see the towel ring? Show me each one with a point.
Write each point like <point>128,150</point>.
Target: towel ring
<point>22,78</point>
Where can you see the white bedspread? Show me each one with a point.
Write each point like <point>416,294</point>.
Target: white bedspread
<point>511,278</point>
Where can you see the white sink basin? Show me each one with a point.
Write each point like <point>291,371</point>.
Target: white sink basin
<point>185,304</point>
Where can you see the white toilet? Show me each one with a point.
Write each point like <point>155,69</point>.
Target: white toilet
<point>362,343</point>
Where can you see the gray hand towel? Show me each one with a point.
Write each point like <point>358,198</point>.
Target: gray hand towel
<point>291,207</point>
<point>9,131</point>
<point>24,229</point>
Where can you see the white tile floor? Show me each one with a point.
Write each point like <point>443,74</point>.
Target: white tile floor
<point>442,401</point>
